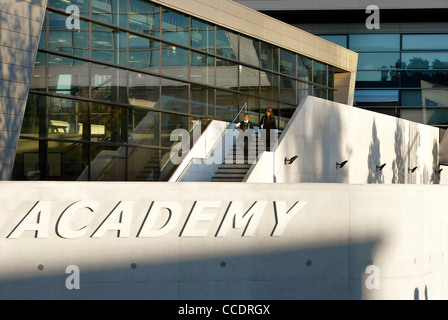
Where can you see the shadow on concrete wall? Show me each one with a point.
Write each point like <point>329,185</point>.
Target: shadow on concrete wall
<point>435,175</point>
<point>417,293</point>
<point>374,159</point>
<point>398,165</point>
<point>326,272</point>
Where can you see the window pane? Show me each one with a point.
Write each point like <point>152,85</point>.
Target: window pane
<point>109,84</point>
<point>269,85</point>
<point>171,122</point>
<point>143,127</point>
<point>288,63</point>
<point>226,73</point>
<point>35,114</point>
<point>108,123</point>
<point>374,42</point>
<point>202,68</point>
<point>429,98</point>
<point>376,98</point>
<point>175,27</point>
<point>68,119</point>
<point>226,105</point>
<point>425,42</point>
<point>116,159</point>
<point>226,44</point>
<point>376,61</point>
<point>337,39</point>
<point>174,96</point>
<point>425,60</point>
<point>39,78</point>
<point>144,53</point>
<point>426,115</point>
<point>110,11</point>
<point>143,164</point>
<point>249,79</point>
<point>331,77</point>
<point>144,17</point>
<point>68,76</point>
<point>143,90</point>
<point>288,90</point>
<point>109,45</point>
<point>424,79</point>
<point>373,79</point>
<point>61,39</point>
<point>320,73</point>
<point>305,68</point>
<point>269,56</point>
<point>249,51</point>
<point>175,61</point>
<point>201,98</point>
<point>83,5</point>
<point>202,36</point>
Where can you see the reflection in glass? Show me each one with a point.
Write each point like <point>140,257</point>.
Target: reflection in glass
<point>144,17</point>
<point>226,74</point>
<point>427,116</point>
<point>202,68</point>
<point>67,160</point>
<point>202,100</point>
<point>174,96</point>
<point>114,157</point>
<point>424,79</point>
<point>143,127</point>
<point>175,61</point>
<point>143,90</point>
<point>320,73</point>
<point>39,77</point>
<point>337,39</point>
<point>83,5</point>
<point>425,41</point>
<point>143,53</point>
<point>110,11</point>
<point>374,42</point>
<point>250,79</point>
<point>376,98</point>
<point>68,119</point>
<point>169,123</point>
<point>269,56</point>
<point>375,79</point>
<point>376,61</point>
<point>288,63</point>
<point>226,44</point>
<point>61,39</point>
<point>288,90</point>
<point>270,90</point>
<point>249,51</point>
<point>68,76</point>
<point>226,105</point>
<point>425,60</point>
<point>109,84</point>
<point>428,98</point>
<point>143,164</point>
<point>305,68</point>
<point>108,123</point>
<point>202,36</point>
<point>34,116</point>
<point>109,45</point>
<point>175,27</point>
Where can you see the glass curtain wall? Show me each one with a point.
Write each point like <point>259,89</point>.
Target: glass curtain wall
<point>107,92</point>
<point>404,75</point>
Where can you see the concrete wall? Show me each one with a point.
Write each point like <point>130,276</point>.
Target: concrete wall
<point>20,27</point>
<point>303,241</point>
<point>323,133</point>
<point>341,4</point>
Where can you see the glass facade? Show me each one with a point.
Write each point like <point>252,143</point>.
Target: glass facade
<point>105,97</point>
<point>404,75</point>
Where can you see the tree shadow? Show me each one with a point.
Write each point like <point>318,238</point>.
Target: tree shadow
<point>398,165</point>
<point>374,159</point>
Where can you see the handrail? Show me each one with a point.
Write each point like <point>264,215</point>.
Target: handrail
<point>214,146</point>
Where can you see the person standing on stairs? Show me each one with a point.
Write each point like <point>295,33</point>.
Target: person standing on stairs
<point>245,125</point>
<point>267,124</point>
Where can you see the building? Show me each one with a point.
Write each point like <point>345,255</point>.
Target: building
<point>402,62</point>
<point>104,83</point>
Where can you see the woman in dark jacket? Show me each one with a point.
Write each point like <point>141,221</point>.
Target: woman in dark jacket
<point>268,123</point>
